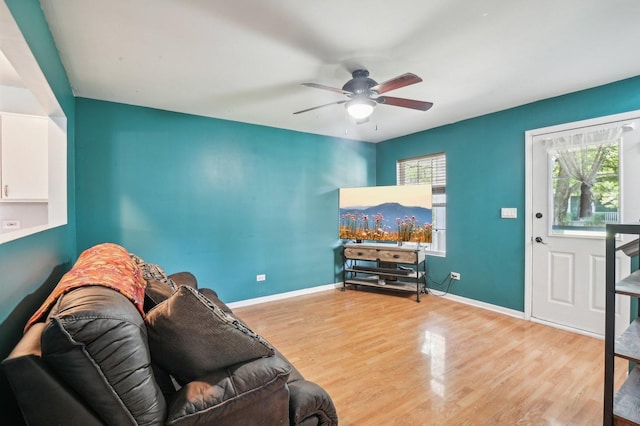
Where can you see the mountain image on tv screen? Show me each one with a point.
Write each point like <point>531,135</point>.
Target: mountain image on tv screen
<point>386,213</point>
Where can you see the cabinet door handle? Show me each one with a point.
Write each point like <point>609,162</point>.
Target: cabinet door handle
<point>360,253</point>
<point>396,256</point>
<point>6,190</point>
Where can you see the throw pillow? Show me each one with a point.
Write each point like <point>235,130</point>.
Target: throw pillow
<point>190,336</point>
<point>151,271</point>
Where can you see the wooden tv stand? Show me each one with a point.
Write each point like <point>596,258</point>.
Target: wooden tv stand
<point>385,266</point>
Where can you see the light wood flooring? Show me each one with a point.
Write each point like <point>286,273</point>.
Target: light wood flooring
<point>387,360</point>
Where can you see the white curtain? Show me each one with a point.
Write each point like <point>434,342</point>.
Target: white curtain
<point>580,156</point>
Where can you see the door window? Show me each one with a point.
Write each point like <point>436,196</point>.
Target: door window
<point>585,180</point>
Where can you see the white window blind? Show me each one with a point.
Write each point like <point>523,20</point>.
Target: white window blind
<point>429,169</point>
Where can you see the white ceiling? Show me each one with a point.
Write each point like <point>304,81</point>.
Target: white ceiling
<point>244,60</point>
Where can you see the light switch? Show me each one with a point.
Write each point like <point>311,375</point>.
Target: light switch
<point>509,213</point>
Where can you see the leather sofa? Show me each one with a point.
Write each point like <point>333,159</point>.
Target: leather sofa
<point>186,359</point>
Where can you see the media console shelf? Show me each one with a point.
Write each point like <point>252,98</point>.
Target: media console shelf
<point>621,407</point>
<point>385,266</point>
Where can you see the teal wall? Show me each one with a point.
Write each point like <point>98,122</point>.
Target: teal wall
<point>26,263</point>
<point>30,266</point>
<point>486,171</point>
<point>224,200</point>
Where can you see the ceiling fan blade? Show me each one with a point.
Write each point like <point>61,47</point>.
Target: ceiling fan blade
<point>321,106</point>
<point>405,103</point>
<point>396,83</point>
<point>323,87</point>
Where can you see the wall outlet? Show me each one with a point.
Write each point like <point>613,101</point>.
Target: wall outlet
<point>455,275</point>
<point>11,224</point>
<point>261,277</point>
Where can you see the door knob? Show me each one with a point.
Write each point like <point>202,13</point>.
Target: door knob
<point>539,240</point>
<point>539,215</point>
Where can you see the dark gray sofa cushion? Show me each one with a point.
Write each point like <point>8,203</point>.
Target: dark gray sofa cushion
<point>213,296</point>
<point>96,339</point>
<point>184,278</point>
<point>221,394</point>
<point>155,293</point>
<point>190,336</point>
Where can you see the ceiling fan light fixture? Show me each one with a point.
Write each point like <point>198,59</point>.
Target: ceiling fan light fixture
<point>360,108</point>
<point>363,94</point>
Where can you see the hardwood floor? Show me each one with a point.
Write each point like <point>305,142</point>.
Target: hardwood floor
<point>387,360</point>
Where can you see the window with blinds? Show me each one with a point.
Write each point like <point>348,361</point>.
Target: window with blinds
<point>429,169</point>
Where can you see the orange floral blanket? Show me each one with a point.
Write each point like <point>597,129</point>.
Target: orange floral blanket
<point>108,265</point>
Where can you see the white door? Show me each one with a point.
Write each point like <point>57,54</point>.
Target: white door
<point>575,190</point>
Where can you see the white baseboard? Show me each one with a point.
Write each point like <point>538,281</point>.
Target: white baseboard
<point>483,305</point>
<point>281,296</point>
<point>565,328</point>
<point>326,287</point>
<point>518,314</point>
<point>452,297</point>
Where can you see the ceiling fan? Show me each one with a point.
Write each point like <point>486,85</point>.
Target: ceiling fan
<point>365,93</point>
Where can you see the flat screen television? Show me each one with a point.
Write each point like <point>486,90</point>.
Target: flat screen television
<point>386,213</point>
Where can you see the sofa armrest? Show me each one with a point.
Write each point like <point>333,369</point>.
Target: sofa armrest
<point>43,398</point>
<point>95,339</point>
<point>221,397</point>
<point>310,404</point>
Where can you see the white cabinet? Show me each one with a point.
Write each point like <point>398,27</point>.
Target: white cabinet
<point>24,155</point>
